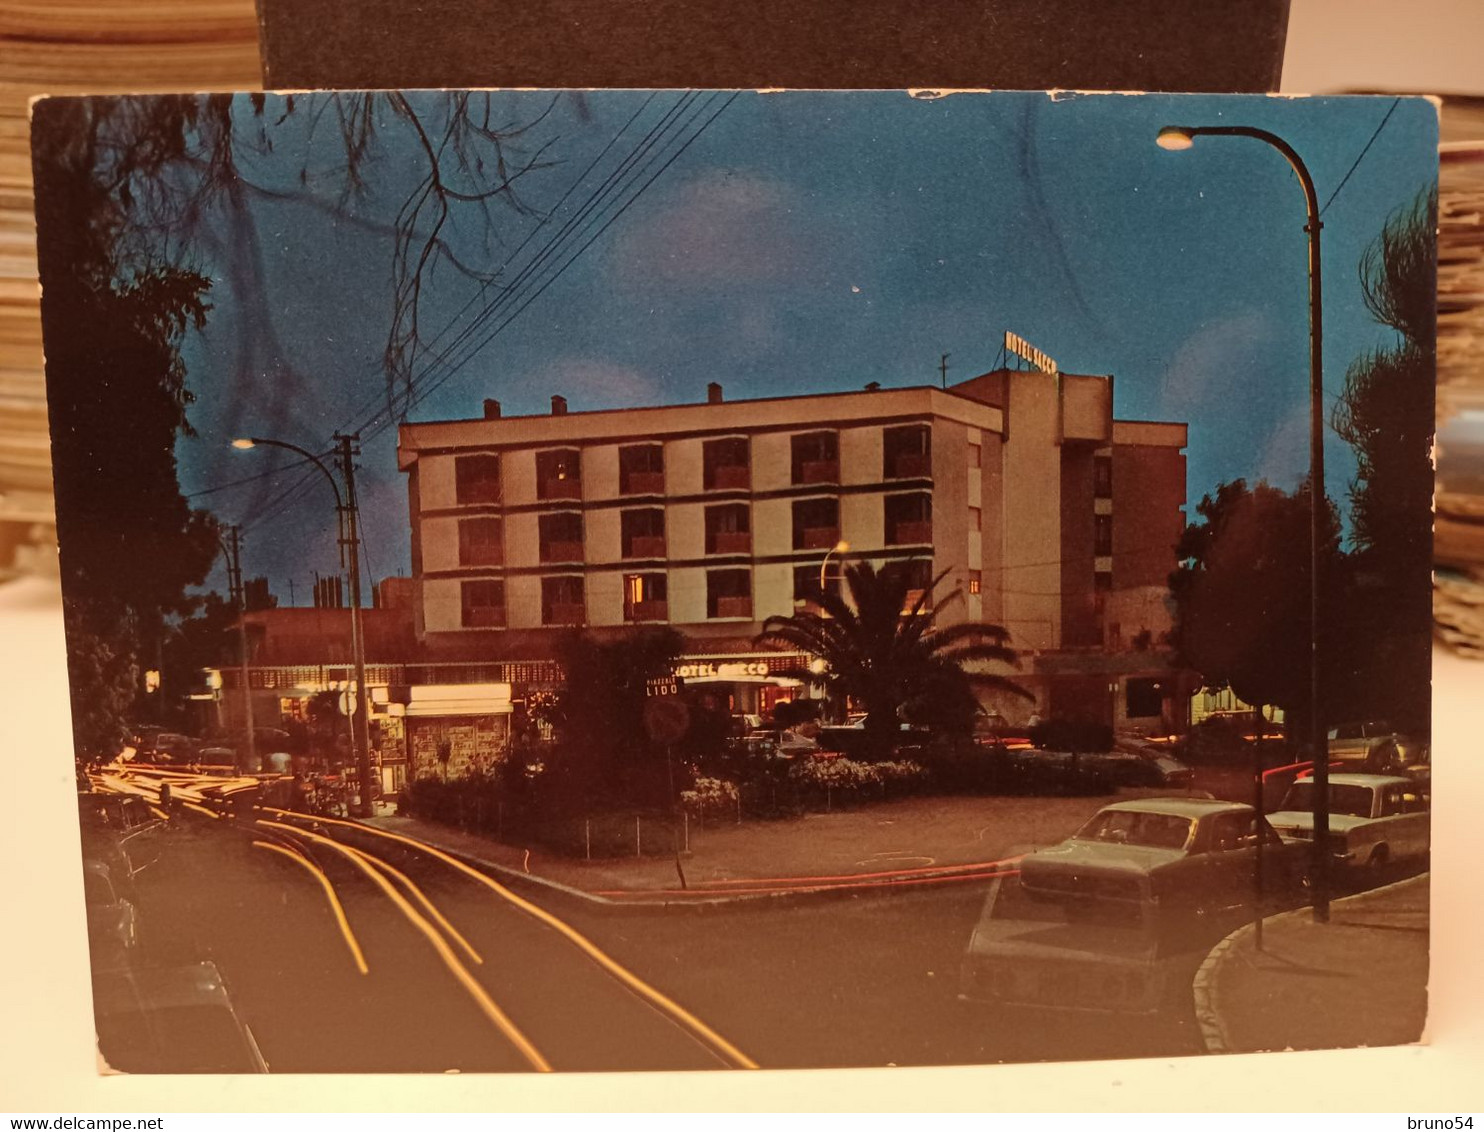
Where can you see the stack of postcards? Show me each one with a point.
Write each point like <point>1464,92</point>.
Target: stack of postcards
<point>1459,529</point>
<point>96,46</point>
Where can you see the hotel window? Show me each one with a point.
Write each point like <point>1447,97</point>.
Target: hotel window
<point>560,536</point>
<point>906,452</point>
<point>976,582</point>
<point>482,604</point>
<point>816,524</point>
<point>641,469</point>
<point>976,519</point>
<point>816,458</point>
<point>1103,535</point>
<point>728,529</point>
<point>562,601</point>
<point>726,464</point>
<point>919,576</point>
<point>645,597</point>
<point>806,581</point>
<point>476,479</point>
<point>643,533</point>
<point>728,593</point>
<point>976,456</point>
<point>1102,586</point>
<point>559,474</point>
<point>909,519</point>
<point>1102,477</point>
<point>480,543</point>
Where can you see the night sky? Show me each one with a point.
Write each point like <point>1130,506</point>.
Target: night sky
<point>809,242</point>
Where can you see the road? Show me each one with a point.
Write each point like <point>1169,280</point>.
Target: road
<point>463,974</point>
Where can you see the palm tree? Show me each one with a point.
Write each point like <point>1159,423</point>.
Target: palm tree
<point>881,647</point>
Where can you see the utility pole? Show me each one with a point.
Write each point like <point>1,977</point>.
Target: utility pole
<point>291,593</point>
<point>351,546</point>
<point>233,549</point>
<point>943,369</point>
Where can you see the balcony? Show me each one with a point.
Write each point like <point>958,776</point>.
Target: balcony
<point>731,477</point>
<point>819,471</point>
<point>561,552</point>
<point>734,607</point>
<point>732,542</point>
<point>644,483</point>
<point>484,617</point>
<point>913,597</point>
<point>647,611</point>
<point>565,613</point>
<point>561,489</point>
<point>816,538</point>
<point>646,546</point>
<point>482,554</point>
<point>912,465</point>
<point>915,532</point>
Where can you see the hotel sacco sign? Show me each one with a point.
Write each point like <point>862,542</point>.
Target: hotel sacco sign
<point>726,670</point>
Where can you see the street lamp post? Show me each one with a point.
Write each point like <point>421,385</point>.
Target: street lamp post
<point>233,552</point>
<point>1181,138</point>
<point>346,509</point>
<point>841,547</point>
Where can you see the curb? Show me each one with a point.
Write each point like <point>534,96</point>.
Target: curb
<point>1203,986</point>
<point>770,898</point>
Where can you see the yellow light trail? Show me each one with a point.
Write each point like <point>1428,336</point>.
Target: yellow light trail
<point>451,961</point>
<point>612,966</point>
<point>335,905</point>
<point>411,887</point>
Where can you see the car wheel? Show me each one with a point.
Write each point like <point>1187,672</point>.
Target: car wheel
<point>1378,860</point>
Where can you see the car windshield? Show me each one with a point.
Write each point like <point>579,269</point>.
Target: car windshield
<point>1343,799</point>
<point>1138,827</point>
<point>176,1039</point>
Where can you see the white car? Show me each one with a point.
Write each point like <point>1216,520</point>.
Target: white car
<point>1101,955</point>
<point>1374,819</point>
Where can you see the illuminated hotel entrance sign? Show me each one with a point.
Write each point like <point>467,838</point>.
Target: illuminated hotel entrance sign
<point>726,670</point>
<point>1023,349</point>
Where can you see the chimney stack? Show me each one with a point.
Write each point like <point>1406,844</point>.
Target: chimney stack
<point>558,405</point>
<point>713,393</point>
<point>873,386</point>
<point>491,409</point>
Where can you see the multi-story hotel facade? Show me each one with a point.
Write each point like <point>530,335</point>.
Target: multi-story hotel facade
<point>1048,516</point>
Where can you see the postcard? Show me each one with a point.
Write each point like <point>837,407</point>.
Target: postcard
<point>713,579</point>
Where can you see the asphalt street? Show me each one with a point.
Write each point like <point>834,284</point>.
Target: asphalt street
<point>463,974</point>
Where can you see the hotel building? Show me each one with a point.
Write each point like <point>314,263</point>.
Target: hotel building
<point>1050,517</point>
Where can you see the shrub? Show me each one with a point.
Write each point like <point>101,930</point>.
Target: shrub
<point>711,797</point>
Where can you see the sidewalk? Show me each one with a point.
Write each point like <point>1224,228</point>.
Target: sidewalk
<point>1360,980</point>
<point>915,840</point>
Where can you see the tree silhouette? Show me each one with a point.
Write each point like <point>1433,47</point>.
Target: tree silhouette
<point>882,648</point>
<point>1242,598</point>
<point>125,190</point>
<point>1386,414</point>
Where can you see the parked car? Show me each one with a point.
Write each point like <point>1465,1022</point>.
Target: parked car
<point>1377,748</point>
<point>172,1020</point>
<point>1374,819</point>
<point>1101,955</point>
<point>113,922</point>
<point>1030,770</point>
<point>1189,854</point>
<point>121,830</point>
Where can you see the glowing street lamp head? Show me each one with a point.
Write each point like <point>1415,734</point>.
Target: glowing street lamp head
<point>244,442</point>
<point>1175,138</point>
<point>842,547</point>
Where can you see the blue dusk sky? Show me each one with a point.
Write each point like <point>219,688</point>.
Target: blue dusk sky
<point>804,242</point>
